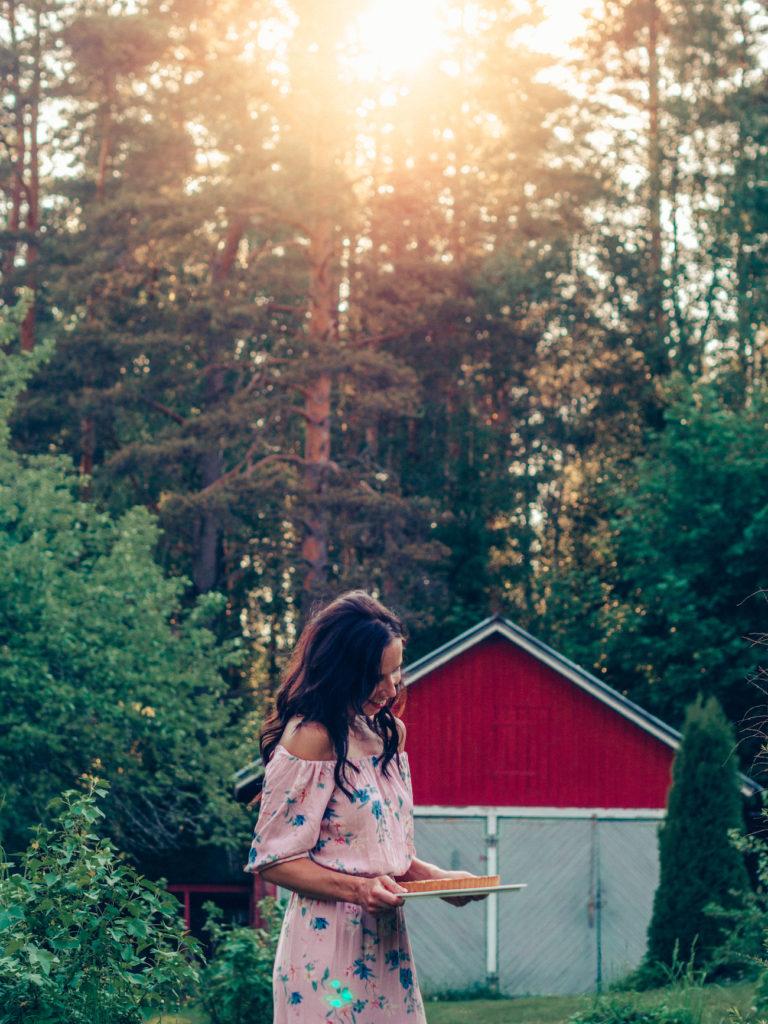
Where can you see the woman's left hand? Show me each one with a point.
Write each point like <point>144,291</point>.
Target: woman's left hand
<point>459,901</point>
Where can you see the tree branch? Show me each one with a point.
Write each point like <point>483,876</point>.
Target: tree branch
<point>159,407</point>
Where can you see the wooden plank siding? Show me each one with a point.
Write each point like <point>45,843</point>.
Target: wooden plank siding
<point>494,726</point>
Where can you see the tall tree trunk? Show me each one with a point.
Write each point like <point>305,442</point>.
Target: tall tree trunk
<point>658,355</point>
<point>19,158</point>
<point>323,299</point>
<point>207,565</point>
<point>208,546</point>
<point>33,188</point>
<point>105,141</point>
<point>87,448</point>
<point>322,314</point>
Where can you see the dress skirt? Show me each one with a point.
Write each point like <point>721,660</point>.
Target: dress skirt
<point>336,962</point>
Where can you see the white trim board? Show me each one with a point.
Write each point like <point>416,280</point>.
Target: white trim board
<point>616,813</point>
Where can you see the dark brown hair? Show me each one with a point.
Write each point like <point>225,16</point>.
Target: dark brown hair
<point>335,666</point>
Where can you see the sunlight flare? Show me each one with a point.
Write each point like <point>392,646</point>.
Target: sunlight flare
<point>395,37</point>
<point>563,22</point>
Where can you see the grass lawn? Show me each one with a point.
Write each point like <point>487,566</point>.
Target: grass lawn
<point>549,1009</point>
<point>557,1009</point>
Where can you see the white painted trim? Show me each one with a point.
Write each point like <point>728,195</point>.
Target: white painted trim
<point>540,812</point>
<point>492,908</point>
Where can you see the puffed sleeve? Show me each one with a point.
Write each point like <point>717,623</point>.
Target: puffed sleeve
<point>294,797</point>
<point>410,842</point>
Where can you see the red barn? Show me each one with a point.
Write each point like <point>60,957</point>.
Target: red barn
<point>526,765</point>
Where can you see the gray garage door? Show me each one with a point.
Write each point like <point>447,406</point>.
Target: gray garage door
<point>580,923</point>
<point>449,942</point>
<point>629,873</point>
<point>545,941</point>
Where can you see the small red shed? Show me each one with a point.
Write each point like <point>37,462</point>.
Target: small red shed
<point>525,764</point>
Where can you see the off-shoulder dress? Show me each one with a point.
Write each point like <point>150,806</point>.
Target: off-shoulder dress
<point>335,961</point>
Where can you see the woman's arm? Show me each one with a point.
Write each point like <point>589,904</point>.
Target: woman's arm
<point>304,876</point>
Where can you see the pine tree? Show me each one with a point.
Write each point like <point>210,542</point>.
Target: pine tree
<point>698,863</point>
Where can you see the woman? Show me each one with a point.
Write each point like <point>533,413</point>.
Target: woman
<point>336,823</point>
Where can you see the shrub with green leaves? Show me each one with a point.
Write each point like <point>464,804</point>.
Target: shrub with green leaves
<point>236,986</point>
<point>746,941</point>
<point>624,1011</point>
<point>107,665</point>
<point>84,939</point>
<point>743,951</point>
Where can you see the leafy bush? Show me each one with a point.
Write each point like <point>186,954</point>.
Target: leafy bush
<point>743,952</point>
<point>84,939</point>
<point>681,975</point>
<point>761,995</point>
<point>236,986</point>
<point>618,1011</point>
<point>462,995</point>
<point>107,664</point>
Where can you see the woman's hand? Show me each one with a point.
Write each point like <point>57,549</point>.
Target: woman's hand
<point>459,901</point>
<point>379,894</point>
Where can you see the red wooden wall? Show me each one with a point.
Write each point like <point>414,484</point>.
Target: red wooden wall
<point>495,726</point>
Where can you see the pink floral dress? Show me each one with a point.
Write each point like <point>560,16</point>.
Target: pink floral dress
<point>336,962</point>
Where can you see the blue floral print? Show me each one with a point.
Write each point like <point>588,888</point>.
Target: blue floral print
<point>335,962</point>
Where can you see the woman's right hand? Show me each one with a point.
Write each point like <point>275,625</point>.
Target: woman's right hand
<point>378,894</point>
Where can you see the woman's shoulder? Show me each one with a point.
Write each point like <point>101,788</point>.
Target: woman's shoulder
<point>307,740</point>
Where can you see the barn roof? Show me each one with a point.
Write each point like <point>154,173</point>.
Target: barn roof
<point>498,625</point>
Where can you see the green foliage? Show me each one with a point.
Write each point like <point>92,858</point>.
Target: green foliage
<point>671,558</point>
<point>84,939</point>
<point>514,304</point>
<point>680,974</point>
<point>683,1002</point>
<point>745,926</point>
<point>103,668</point>
<point>623,1011</point>
<point>471,992</point>
<point>236,986</point>
<point>761,994</point>
<point>699,864</point>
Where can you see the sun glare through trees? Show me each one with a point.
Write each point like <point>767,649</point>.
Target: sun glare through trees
<point>397,38</point>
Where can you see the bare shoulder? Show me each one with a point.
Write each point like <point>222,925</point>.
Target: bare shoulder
<point>307,740</point>
<point>401,729</point>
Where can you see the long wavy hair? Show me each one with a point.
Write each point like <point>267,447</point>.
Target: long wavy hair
<point>336,666</point>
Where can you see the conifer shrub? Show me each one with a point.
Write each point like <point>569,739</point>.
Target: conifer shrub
<point>700,864</point>
<point>84,938</point>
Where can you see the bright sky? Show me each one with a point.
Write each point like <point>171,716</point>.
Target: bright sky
<point>564,20</point>
<point>394,37</point>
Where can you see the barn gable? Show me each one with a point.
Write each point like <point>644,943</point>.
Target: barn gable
<point>497,718</point>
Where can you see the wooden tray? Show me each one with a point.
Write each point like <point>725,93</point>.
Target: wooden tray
<point>475,891</point>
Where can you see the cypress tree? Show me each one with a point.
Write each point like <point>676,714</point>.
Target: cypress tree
<point>698,863</point>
